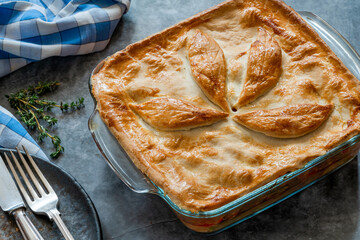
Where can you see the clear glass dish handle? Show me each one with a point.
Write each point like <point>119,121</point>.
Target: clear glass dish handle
<point>338,44</point>
<point>117,158</point>
<point>115,155</point>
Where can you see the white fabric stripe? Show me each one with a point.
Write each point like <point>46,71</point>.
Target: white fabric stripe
<point>11,46</point>
<point>126,2</point>
<point>83,18</point>
<point>4,65</point>
<point>86,48</point>
<point>50,50</point>
<point>3,110</point>
<point>24,6</point>
<point>17,63</point>
<point>32,148</point>
<point>2,127</point>
<point>100,45</point>
<point>56,6</point>
<point>46,28</point>
<point>113,11</point>
<point>9,138</point>
<point>13,30</point>
<point>67,10</point>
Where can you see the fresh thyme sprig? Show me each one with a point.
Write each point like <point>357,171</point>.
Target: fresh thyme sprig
<point>34,111</point>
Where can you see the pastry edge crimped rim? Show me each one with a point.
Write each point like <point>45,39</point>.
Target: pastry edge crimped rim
<point>141,162</point>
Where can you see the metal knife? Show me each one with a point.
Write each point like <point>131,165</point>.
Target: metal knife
<point>11,201</point>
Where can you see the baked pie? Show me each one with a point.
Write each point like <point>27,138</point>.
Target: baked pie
<point>226,101</point>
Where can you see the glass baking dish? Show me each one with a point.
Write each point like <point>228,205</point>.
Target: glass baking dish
<point>264,197</point>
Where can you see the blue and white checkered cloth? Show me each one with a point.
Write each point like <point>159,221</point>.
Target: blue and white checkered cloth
<point>13,134</point>
<point>32,30</point>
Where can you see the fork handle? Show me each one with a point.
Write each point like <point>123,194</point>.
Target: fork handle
<point>54,215</point>
<point>26,227</point>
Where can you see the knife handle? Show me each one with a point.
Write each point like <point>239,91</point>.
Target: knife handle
<point>26,227</point>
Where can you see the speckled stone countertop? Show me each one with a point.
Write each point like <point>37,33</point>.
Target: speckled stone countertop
<point>329,209</point>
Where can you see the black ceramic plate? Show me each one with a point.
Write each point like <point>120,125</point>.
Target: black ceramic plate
<point>78,212</point>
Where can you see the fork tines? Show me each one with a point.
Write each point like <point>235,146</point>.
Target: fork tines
<point>42,188</point>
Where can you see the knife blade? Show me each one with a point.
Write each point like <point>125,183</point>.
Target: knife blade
<point>10,197</point>
<point>12,202</point>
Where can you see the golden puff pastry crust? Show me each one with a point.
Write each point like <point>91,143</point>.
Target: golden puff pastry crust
<point>171,114</point>
<point>208,67</point>
<point>166,99</point>
<point>286,122</point>
<point>263,68</point>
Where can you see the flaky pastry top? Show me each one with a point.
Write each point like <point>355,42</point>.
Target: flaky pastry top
<point>226,101</point>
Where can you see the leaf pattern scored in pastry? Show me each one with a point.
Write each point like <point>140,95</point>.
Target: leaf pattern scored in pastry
<point>175,114</point>
<point>263,68</point>
<point>286,122</point>
<point>208,67</point>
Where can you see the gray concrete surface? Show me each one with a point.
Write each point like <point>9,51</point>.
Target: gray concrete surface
<point>328,210</point>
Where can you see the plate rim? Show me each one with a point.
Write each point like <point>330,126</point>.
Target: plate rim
<point>81,188</point>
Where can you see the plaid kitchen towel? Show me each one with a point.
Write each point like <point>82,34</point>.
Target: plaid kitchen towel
<point>31,30</point>
<point>13,134</point>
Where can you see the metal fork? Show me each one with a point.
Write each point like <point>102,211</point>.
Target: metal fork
<point>45,200</point>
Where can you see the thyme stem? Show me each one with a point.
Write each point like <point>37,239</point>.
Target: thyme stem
<point>34,111</point>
